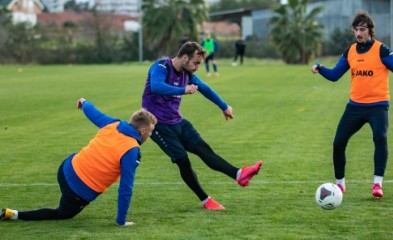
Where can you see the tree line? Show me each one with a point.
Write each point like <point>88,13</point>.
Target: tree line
<point>295,36</point>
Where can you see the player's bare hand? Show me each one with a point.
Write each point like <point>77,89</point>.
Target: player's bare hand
<point>190,89</point>
<point>315,68</point>
<point>80,102</point>
<point>228,113</point>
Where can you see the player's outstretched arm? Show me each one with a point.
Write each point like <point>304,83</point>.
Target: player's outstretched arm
<point>93,114</point>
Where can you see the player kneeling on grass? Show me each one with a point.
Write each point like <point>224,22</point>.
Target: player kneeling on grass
<point>114,152</point>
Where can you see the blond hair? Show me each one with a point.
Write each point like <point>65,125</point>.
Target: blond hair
<point>142,118</point>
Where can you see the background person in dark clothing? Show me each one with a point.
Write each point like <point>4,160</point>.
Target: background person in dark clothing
<point>240,46</point>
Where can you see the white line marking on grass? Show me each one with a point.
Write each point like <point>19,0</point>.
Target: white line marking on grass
<point>27,184</point>
<point>181,183</point>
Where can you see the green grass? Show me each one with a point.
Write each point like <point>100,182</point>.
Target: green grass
<point>284,115</point>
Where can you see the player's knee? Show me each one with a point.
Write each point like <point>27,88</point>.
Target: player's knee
<point>183,162</point>
<point>66,215</point>
<point>203,147</point>
<point>380,139</point>
<point>339,144</point>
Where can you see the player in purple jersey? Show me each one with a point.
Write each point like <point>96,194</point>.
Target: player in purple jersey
<point>168,79</point>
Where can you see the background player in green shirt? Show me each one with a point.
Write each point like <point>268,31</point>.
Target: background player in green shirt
<point>211,47</point>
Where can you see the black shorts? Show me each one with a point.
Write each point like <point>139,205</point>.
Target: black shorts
<point>70,203</point>
<point>209,57</point>
<point>176,139</point>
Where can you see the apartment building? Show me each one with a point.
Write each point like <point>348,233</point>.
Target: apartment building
<point>123,7</point>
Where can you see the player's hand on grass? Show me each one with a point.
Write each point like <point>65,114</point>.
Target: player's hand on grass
<point>228,113</point>
<point>80,102</point>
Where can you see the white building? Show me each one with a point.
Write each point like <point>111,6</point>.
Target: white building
<point>336,14</point>
<point>126,7</point>
<point>55,5</point>
<point>212,1</point>
<point>23,10</point>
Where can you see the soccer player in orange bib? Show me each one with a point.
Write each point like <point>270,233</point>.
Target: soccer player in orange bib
<point>369,61</point>
<point>113,153</point>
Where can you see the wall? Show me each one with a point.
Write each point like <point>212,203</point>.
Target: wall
<point>336,14</point>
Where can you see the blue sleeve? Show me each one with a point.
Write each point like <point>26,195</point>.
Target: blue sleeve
<point>216,46</point>
<point>95,116</point>
<point>337,72</point>
<point>386,57</point>
<point>158,74</point>
<point>129,163</point>
<point>208,92</point>
<point>388,61</point>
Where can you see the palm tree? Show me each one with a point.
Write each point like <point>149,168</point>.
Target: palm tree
<point>296,34</point>
<point>167,21</point>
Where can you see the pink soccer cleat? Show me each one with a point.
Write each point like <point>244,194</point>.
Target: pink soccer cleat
<point>377,190</point>
<point>213,205</point>
<point>342,188</point>
<point>247,173</point>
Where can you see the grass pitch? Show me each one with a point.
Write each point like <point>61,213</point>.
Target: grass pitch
<point>284,115</point>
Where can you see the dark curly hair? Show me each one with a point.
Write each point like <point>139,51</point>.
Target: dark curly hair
<point>362,18</point>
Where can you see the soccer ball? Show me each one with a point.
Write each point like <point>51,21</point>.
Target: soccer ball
<point>328,196</point>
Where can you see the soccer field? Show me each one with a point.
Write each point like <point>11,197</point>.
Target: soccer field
<point>284,115</point>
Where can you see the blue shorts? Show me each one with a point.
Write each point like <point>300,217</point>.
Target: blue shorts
<point>176,139</point>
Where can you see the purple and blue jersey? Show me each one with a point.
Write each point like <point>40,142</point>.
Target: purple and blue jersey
<point>164,89</point>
